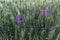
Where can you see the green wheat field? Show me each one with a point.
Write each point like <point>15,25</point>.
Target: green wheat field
<point>33,24</point>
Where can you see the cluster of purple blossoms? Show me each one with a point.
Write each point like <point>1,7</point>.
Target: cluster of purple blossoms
<point>45,12</point>
<point>18,19</point>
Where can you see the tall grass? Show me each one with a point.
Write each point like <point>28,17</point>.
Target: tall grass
<point>34,25</point>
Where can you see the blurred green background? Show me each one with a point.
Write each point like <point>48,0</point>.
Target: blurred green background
<point>34,26</point>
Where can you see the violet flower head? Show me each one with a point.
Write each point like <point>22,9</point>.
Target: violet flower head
<point>45,11</point>
<point>18,19</point>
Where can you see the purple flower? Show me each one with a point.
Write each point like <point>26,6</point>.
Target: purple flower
<point>45,11</point>
<point>18,19</point>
